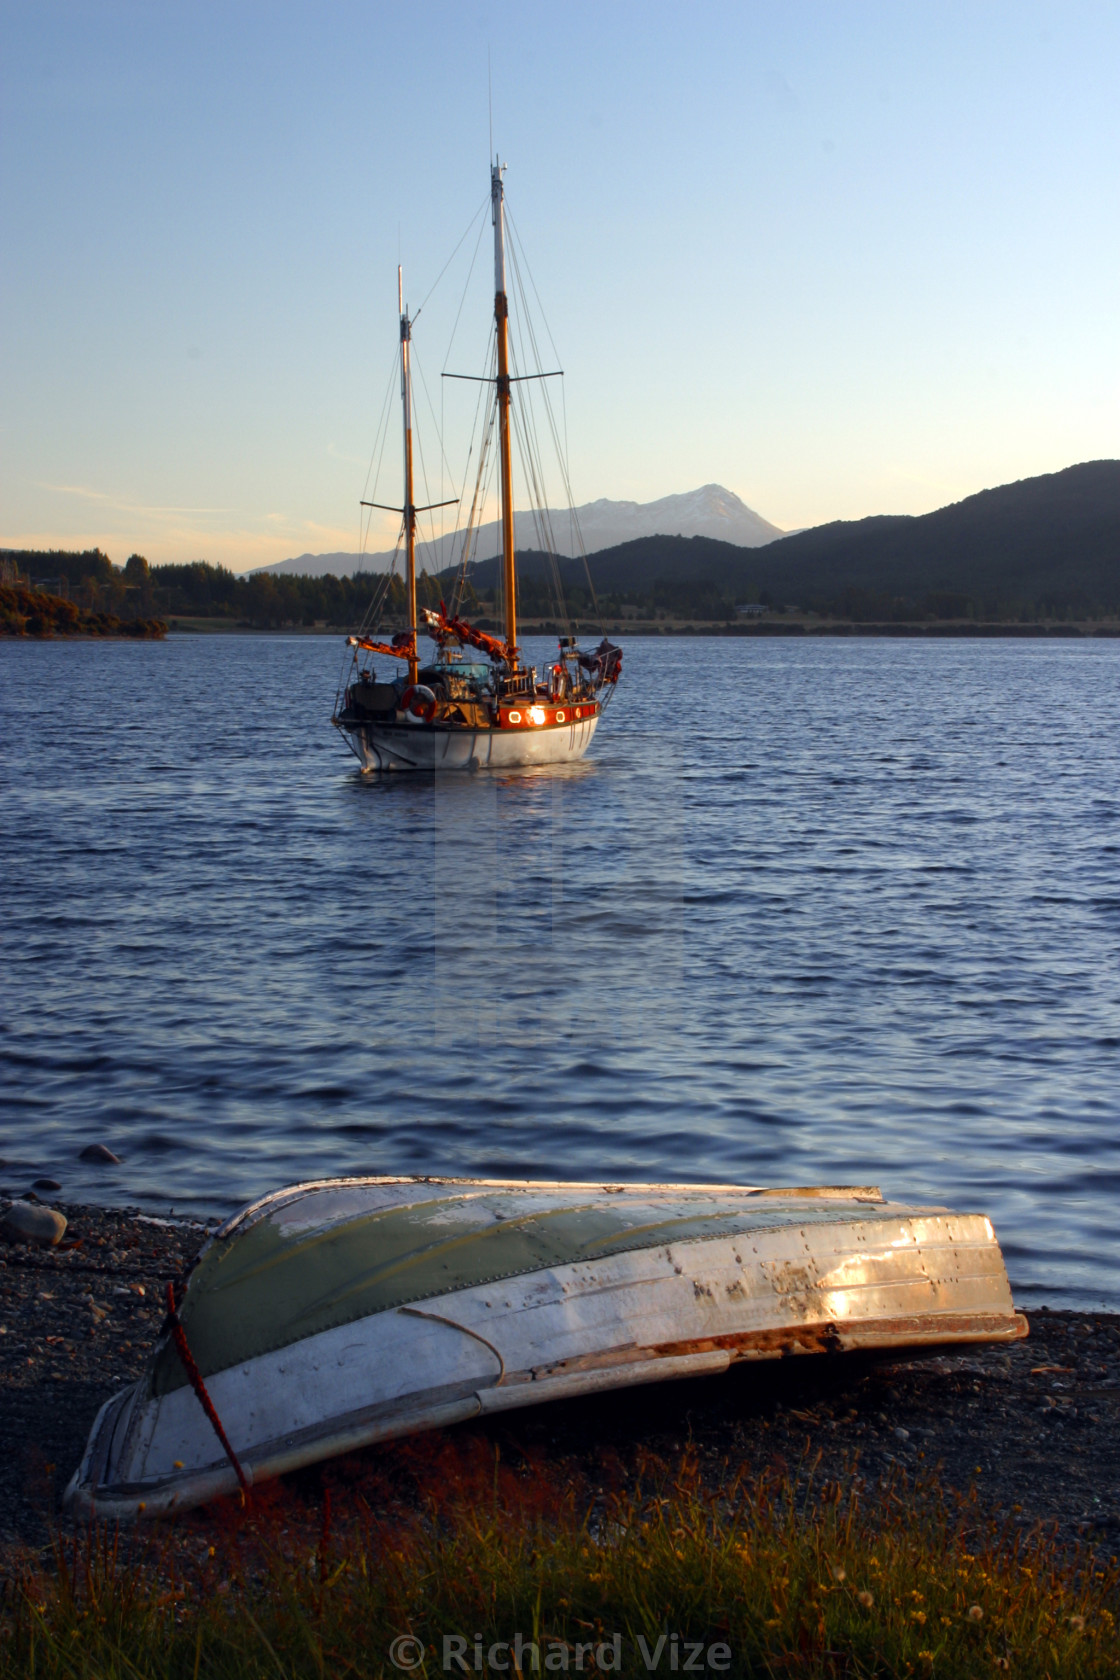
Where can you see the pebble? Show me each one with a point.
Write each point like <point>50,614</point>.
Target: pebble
<point>45,1184</point>
<point>98,1152</point>
<point>24,1222</point>
<point>902,1434</point>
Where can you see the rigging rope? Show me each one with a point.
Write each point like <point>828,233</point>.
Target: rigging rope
<point>194,1377</point>
<point>382,433</point>
<point>463,299</point>
<point>432,541</point>
<point>487,470</point>
<point>525,409</point>
<point>466,231</point>
<point>484,425</point>
<point>517,245</point>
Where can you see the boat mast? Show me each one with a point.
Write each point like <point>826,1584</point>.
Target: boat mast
<point>501,317</point>
<point>409,503</point>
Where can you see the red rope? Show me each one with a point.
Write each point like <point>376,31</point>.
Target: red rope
<point>194,1377</point>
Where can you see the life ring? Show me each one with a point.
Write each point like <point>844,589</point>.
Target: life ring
<point>418,704</point>
<point>559,683</point>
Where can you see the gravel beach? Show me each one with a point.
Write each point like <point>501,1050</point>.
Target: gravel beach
<point>1035,1427</point>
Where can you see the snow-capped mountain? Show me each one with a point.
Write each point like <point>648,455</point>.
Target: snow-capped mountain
<point>710,511</point>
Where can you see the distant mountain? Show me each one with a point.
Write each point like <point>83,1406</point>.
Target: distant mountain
<point>710,511</point>
<point>1042,548</point>
<point>1054,538</point>
<point>1051,541</point>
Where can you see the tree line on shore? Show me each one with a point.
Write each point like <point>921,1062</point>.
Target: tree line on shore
<point>1044,549</point>
<point>98,591</point>
<point>197,589</point>
<point>263,600</point>
<point>271,601</point>
<point>38,614</point>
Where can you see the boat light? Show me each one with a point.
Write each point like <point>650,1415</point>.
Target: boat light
<point>515,717</point>
<point>561,717</point>
<point>536,714</point>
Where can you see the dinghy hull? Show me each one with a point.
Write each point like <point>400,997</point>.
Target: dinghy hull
<point>337,1314</point>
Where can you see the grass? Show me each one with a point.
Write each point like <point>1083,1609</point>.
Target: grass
<point>762,1578</point>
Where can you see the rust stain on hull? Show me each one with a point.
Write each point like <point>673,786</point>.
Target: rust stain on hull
<point>788,1341</point>
<point>828,1336</point>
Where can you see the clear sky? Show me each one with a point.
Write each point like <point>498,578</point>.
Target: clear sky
<point>843,257</point>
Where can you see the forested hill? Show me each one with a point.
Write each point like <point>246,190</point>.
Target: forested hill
<point>1049,545</point>
<point>1044,547</point>
<point>1051,542</point>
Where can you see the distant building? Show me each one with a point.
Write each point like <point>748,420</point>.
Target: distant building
<point>752,609</point>
<point>10,574</point>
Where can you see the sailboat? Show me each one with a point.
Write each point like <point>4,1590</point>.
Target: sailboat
<point>476,703</point>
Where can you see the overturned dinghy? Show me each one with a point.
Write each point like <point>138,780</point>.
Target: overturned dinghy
<point>349,1311</point>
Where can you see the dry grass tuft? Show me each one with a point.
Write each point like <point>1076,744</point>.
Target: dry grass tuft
<point>793,1580</point>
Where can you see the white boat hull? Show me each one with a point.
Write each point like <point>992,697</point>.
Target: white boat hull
<point>383,746</point>
<point>693,1279</point>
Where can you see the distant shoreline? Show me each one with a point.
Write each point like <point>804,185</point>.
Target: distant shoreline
<point>37,616</point>
<point>768,628</point>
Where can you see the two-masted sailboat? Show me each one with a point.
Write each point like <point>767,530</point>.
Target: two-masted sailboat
<point>456,710</point>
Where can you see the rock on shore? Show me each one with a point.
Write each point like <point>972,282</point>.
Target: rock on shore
<point>27,1222</point>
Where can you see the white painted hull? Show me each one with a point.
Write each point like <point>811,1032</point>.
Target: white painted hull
<point>751,1275</point>
<point>421,746</point>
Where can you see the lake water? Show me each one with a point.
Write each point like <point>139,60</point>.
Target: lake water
<point>831,911</point>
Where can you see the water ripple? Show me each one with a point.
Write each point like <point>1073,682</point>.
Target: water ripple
<point>857,922</point>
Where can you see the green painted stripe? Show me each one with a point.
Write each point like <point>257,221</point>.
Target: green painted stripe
<point>268,1286</point>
